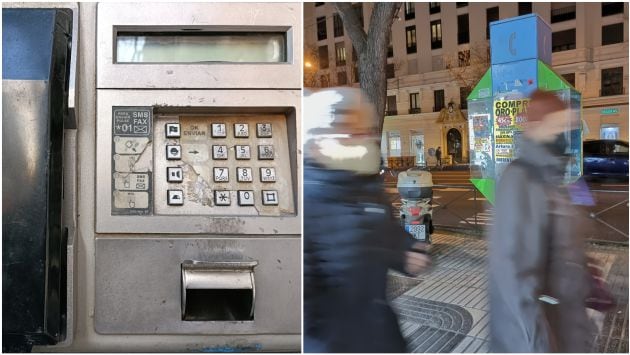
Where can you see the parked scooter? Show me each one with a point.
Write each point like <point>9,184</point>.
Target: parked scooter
<point>416,213</point>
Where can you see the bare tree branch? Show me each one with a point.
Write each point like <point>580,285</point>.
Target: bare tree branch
<point>352,25</point>
<point>372,50</point>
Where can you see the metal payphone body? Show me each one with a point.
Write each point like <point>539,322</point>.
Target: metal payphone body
<point>188,177</point>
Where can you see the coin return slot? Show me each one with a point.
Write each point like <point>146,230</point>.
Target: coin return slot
<point>218,291</point>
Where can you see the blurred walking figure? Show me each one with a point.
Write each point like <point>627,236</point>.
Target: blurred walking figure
<point>350,239</point>
<point>538,280</point>
<point>438,156</point>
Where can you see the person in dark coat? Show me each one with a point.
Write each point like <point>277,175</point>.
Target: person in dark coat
<point>538,277</point>
<point>350,238</point>
<point>438,156</point>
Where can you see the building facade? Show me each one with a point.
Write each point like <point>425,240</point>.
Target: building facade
<point>438,51</point>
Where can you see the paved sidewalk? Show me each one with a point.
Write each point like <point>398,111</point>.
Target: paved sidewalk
<point>448,310</point>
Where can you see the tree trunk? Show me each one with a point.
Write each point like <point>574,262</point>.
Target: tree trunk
<point>372,50</point>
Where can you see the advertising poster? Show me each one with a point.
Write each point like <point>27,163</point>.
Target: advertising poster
<point>480,138</point>
<point>509,116</point>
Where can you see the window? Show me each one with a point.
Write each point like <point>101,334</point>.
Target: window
<point>464,58</point>
<point>434,8</point>
<point>563,40</point>
<point>410,33</point>
<point>438,100</point>
<point>358,8</point>
<point>611,8</point>
<point>321,28</point>
<point>492,14</point>
<point>612,81</point>
<point>464,91</point>
<point>612,34</point>
<point>413,103</point>
<point>390,106</point>
<point>394,144</point>
<point>322,52</point>
<point>463,35</point>
<point>337,25</point>
<point>570,78</point>
<point>461,4</point>
<point>410,11</point>
<point>436,34</point>
<point>562,11</point>
<point>524,8</point>
<point>340,54</point>
<point>319,3</point>
<point>609,131</point>
<point>342,78</point>
<point>390,71</point>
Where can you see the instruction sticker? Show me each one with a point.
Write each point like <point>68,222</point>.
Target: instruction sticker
<point>131,175</point>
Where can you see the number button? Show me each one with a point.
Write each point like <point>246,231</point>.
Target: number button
<point>175,197</point>
<point>172,130</point>
<point>174,174</point>
<point>221,175</point>
<point>263,130</point>
<point>265,152</point>
<point>173,152</point>
<point>241,130</point>
<point>268,174</point>
<point>219,152</point>
<point>244,174</point>
<point>270,197</point>
<point>222,198</point>
<point>218,130</point>
<point>242,152</point>
<point>245,197</point>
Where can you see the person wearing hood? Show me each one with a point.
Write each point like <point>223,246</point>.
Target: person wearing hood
<point>350,238</point>
<point>538,279</point>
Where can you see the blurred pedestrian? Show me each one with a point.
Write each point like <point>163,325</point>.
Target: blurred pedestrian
<point>350,239</point>
<point>538,279</point>
<point>438,156</point>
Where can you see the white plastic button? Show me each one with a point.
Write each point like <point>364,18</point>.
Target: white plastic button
<point>172,130</point>
<point>244,175</point>
<point>245,197</point>
<point>241,130</point>
<point>173,152</point>
<point>268,174</point>
<point>174,174</point>
<point>218,130</point>
<point>263,130</point>
<point>175,197</point>
<point>270,197</point>
<point>221,198</point>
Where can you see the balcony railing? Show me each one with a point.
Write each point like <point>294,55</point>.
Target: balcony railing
<point>415,110</point>
<point>612,90</point>
<point>391,112</point>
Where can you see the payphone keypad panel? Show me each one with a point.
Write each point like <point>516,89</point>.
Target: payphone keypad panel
<point>222,165</point>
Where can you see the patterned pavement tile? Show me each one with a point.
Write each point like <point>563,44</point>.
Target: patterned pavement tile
<point>448,310</point>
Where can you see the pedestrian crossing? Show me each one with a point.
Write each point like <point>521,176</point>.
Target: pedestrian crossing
<point>483,218</point>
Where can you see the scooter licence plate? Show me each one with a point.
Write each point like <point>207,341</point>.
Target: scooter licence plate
<point>416,230</point>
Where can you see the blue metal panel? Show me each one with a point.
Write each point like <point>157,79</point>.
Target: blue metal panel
<point>518,77</point>
<point>519,38</point>
<point>544,41</point>
<point>27,40</point>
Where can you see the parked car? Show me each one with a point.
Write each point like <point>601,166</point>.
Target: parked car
<point>605,158</point>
